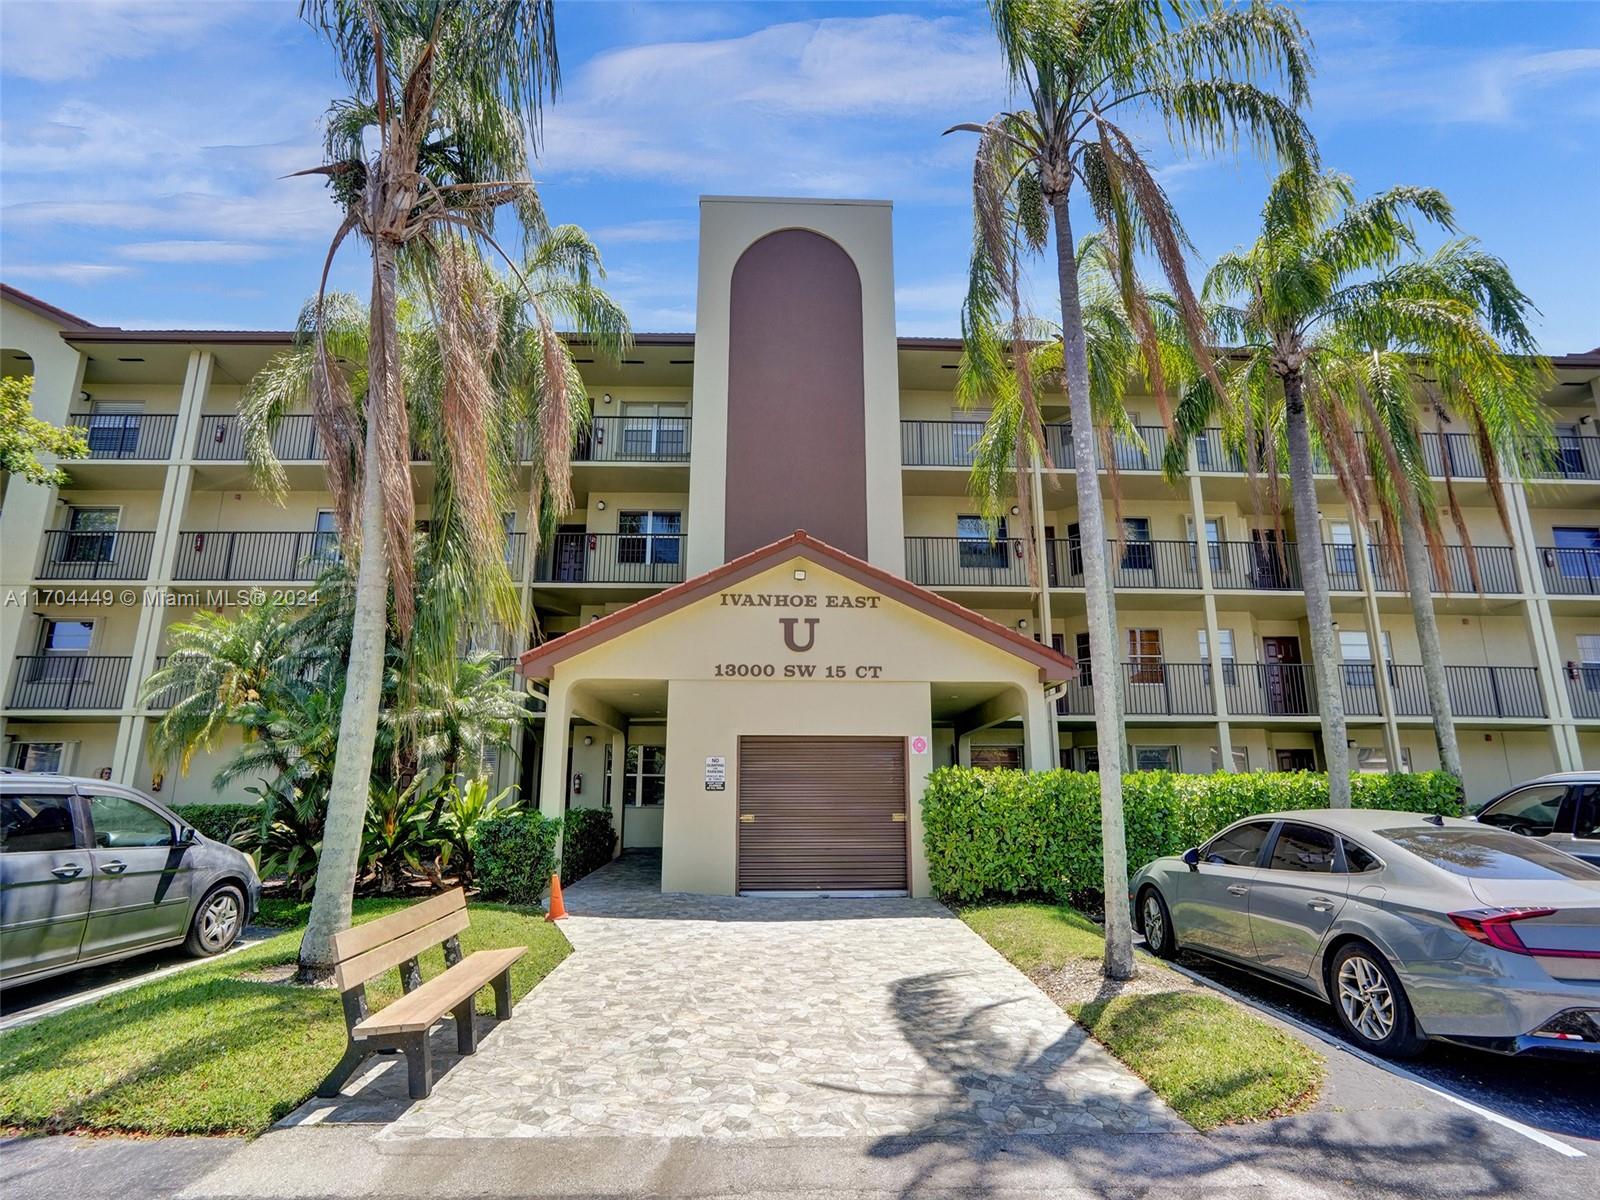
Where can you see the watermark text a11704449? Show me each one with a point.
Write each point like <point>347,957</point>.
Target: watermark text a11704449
<point>155,597</point>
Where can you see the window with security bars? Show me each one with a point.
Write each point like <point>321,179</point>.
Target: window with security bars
<point>649,537</point>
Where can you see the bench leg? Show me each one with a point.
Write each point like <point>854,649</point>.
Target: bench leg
<point>502,995</point>
<point>466,1030</point>
<point>354,1056</point>
<point>419,1064</point>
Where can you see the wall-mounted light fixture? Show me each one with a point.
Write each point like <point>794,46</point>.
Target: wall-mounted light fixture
<point>587,740</point>
<point>600,505</point>
<point>1023,623</point>
<point>1015,511</point>
<point>606,398</point>
<point>799,575</point>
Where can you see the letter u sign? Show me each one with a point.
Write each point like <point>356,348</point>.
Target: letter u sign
<point>789,638</point>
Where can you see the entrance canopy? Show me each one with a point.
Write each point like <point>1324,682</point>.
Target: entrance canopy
<point>790,700</point>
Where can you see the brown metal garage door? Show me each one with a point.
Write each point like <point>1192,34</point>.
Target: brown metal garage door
<point>822,814</point>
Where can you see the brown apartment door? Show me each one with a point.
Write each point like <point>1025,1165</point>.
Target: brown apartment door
<point>1286,692</point>
<point>822,814</point>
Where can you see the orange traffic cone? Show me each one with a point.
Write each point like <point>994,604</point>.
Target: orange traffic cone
<point>557,910</point>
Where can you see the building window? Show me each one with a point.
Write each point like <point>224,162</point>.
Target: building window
<point>114,428</point>
<point>1577,551</point>
<point>995,757</point>
<point>654,431</point>
<point>1230,669</point>
<point>1089,759</point>
<point>325,541</point>
<point>66,637</point>
<point>1085,664</point>
<point>1137,553</point>
<point>92,535</point>
<point>44,757</point>
<point>1374,760</point>
<point>1343,559</point>
<point>1241,759</point>
<point>966,430</point>
<point>1154,758</point>
<point>1144,656</point>
<point>1589,660</point>
<point>644,782</point>
<point>649,537</point>
<point>976,548</point>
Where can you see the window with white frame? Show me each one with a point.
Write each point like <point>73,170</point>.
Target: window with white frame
<point>649,536</point>
<point>1137,553</point>
<point>1589,660</point>
<point>654,430</point>
<point>44,757</point>
<point>644,780</point>
<point>1153,758</point>
<point>975,548</point>
<point>1230,668</point>
<point>966,429</point>
<point>1241,759</point>
<point>65,637</point>
<point>91,534</point>
<point>1144,656</point>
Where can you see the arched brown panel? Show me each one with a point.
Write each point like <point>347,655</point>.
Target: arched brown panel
<point>797,455</point>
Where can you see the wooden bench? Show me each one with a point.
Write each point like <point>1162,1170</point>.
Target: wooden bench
<point>366,951</point>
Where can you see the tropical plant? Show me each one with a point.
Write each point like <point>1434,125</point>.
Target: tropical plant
<point>23,437</point>
<point>1477,362</point>
<point>429,146</point>
<point>1315,311</point>
<point>463,807</point>
<point>1084,69</point>
<point>397,829</point>
<point>287,836</point>
<point>515,855</point>
<point>450,719</point>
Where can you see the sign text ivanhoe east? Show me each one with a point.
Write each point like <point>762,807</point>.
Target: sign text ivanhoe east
<point>799,637</point>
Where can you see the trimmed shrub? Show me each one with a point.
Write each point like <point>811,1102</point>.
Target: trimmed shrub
<point>514,856</point>
<point>218,821</point>
<point>587,841</point>
<point>1019,833</point>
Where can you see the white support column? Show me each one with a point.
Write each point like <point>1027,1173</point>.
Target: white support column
<point>557,737</point>
<point>1202,544</point>
<point>1542,633</point>
<point>619,766</point>
<point>1380,668</point>
<point>1039,738</point>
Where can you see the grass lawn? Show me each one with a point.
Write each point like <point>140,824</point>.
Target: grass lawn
<point>218,1049</point>
<point>1211,1059</point>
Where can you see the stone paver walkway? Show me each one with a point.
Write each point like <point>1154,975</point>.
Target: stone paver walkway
<point>685,1016</point>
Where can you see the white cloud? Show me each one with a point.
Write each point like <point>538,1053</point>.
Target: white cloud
<point>68,272</point>
<point>50,41</point>
<point>645,231</point>
<point>848,106</point>
<point>187,251</point>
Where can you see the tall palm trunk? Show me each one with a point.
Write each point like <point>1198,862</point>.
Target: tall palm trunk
<point>1096,587</point>
<point>339,861</point>
<point>1419,582</point>
<point>1327,669</point>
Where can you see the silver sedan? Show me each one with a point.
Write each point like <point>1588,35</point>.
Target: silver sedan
<point>1411,927</point>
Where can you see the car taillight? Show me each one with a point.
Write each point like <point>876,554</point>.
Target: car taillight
<point>1496,927</point>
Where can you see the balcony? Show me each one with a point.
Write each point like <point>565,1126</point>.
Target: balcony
<point>1569,571</point>
<point>632,439</point>
<point>954,443</point>
<point>1497,570</point>
<point>166,697</point>
<point>635,558</point>
<point>228,556</point>
<point>1474,691</point>
<point>69,682</point>
<point>221,439</point>
<point>967,562</point>
<point>128,436</point>
<point>1577,456</point>
<point>80,555</point>
<point>1154,688</point>
<point>1583,689</point>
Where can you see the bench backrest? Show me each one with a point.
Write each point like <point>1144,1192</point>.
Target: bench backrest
<point>366,950</point>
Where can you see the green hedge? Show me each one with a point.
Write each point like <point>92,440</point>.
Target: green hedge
<point>1018,833</point>
<point>514,856</point>
<point>218,821</point>
<point>587,840</point>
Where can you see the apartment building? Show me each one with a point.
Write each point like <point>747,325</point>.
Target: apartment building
<point>761,703</point>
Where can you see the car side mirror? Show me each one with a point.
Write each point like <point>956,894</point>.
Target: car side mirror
<point>1191,858</point>
<point>188,836</point>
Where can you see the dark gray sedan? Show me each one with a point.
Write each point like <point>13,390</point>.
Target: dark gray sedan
<point>1411,927</point>
<point>91,872</point>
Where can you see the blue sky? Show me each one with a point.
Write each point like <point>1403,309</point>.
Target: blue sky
<point>142,145</point>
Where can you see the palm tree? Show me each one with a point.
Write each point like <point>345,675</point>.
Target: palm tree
<point>429,146</point>
<point>1324,277</point>
<point>1480,362</point>
<point>454,720</point>
<point>1084,69</point>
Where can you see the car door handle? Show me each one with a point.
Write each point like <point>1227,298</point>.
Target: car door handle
<point>115,867</point>
<point>1237,889</point>
<point>67,871</point>
<point>1320,904</point>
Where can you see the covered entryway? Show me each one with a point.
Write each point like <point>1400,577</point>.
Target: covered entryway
<point>822,814</point>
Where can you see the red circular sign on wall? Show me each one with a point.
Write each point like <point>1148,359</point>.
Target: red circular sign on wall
<point>919,745</point>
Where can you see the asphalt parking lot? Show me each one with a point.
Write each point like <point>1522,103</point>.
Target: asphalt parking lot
<point>1558,1096</point>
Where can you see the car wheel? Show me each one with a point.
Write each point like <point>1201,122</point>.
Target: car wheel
<point>217,922</point>
<point>1371,1004</point>
<point>1156,919</point>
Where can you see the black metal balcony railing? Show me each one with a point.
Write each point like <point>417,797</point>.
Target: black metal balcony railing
<point>634,439</point>
<point>1583,689</point>
<point>655,558</point>
<point>127,435</point>
<point>1153,688</point>
<point>1458,451</point>
<point>275,556</point>
<point>69,681</point>
<point>1474,691</point>
<point>1157,564</point>
<point>1576,456</point>
<point>1255,566</point>
<point>967,562</point>
<point>1497,570</point>
<point>167,696</point>
<point>953,444</point>
<point>1570,571</point>
<point>221,439</point>
<point>1361,690</point>
<point>1270,690</point>
<point>516,554</point>
<point>96,554</point>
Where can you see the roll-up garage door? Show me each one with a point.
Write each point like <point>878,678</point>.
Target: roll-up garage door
<point>822,814</point>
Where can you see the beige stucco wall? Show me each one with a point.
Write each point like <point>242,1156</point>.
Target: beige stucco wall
<point>729,225</point>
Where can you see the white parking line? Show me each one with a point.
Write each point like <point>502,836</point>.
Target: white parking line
<point>1527,1131</point>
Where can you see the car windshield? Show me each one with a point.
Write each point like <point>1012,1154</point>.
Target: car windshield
<point>1489,854</point>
